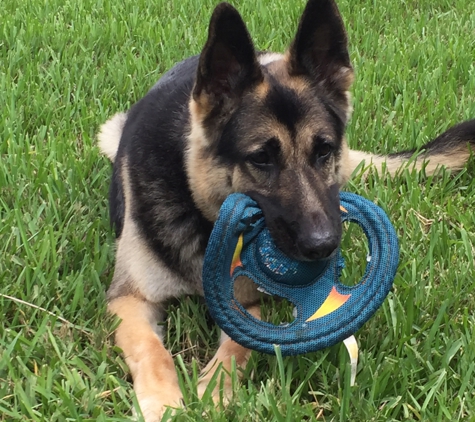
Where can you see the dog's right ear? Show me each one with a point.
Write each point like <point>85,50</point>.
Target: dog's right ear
<point>228,63</point>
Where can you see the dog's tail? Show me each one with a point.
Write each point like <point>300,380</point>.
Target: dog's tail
<point>451,150</point>
<point>110,134</point>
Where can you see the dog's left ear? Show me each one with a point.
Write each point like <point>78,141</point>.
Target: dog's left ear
<point>320,49</point>
<point>228,64</point>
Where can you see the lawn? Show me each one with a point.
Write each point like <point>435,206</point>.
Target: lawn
<point>66,66</point>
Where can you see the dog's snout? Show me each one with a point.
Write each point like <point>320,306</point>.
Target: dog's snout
<point>314,246</point>
<point>302,234</point>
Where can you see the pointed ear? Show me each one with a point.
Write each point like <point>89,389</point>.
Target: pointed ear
<point>228,63</point>
<point>320,48</point>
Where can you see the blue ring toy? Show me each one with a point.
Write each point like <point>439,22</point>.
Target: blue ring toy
<point>327,310</point>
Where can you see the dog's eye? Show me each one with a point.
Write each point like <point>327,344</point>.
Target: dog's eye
<point>260,159</point>
<point>323,150</point>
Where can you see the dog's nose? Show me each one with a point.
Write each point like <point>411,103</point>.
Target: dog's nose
<point>314,246</point>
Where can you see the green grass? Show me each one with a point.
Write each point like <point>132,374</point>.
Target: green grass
<point>65,67</point>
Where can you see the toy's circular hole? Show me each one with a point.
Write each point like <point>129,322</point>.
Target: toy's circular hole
<point>355,250</point>
<point>273,309</point>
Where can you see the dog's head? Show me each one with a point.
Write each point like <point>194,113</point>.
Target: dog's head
<point>272,126</point>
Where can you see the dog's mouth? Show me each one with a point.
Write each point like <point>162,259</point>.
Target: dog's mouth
<point>303,245</point>
<point>326,255</point>
<point>302,237</point>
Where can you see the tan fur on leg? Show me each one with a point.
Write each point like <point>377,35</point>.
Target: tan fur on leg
<point>223,360</point>
<point>152,368</point>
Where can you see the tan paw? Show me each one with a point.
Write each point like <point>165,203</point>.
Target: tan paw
<point>153,406</point>
<point>223,390</point>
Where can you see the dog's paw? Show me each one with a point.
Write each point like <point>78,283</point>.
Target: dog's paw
<point>153,406</point>
<point>222,392</point>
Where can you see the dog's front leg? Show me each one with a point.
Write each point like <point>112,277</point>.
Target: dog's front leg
<point>247,294</point>
<point>151,365</point>
<point>222,361</point>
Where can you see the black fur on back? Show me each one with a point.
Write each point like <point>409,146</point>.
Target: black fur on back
<point>152,144</point>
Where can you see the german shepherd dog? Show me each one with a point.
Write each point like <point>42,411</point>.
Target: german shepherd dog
<point>232,120</point>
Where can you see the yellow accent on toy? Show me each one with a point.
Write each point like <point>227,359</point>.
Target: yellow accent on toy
<point>331,304</point>
<point>236,262</point>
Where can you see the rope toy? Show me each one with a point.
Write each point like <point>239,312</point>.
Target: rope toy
<point>326,311</point>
